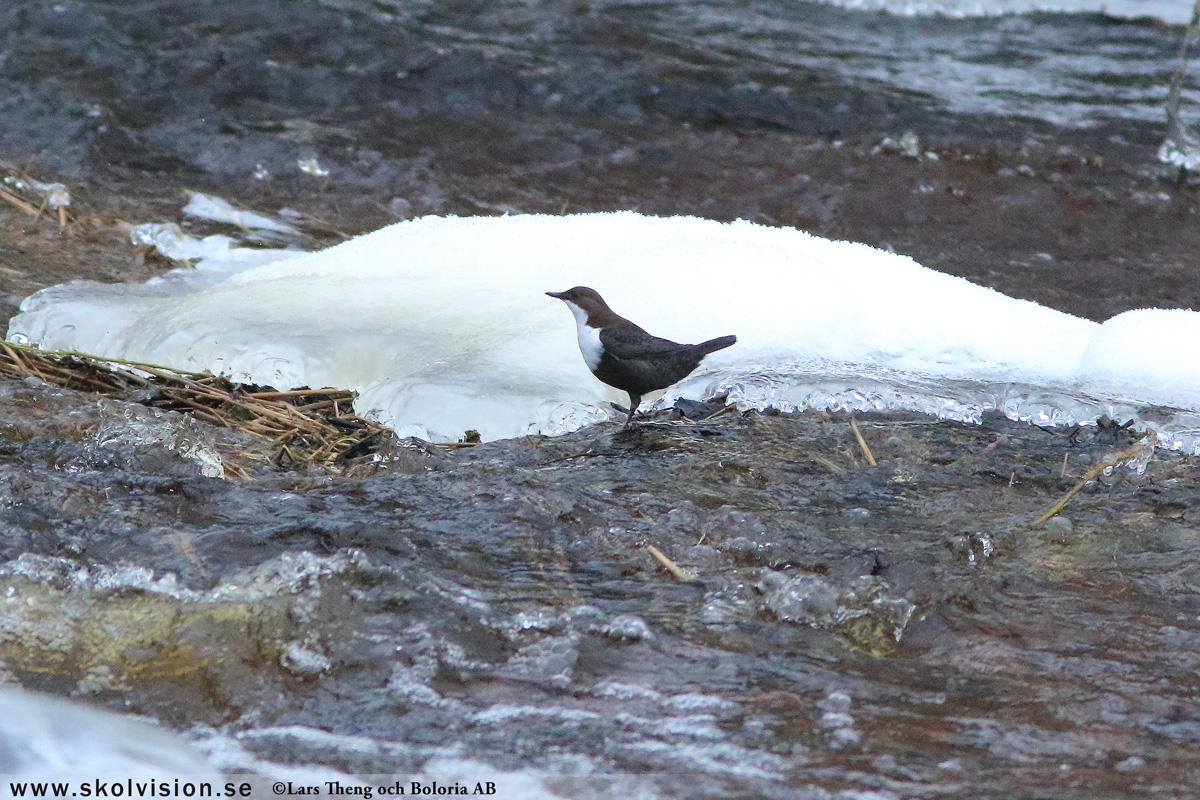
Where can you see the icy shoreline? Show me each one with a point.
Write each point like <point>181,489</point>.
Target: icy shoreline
<point>440,325</point>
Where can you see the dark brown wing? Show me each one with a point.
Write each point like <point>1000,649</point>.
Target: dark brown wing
<point>626,344</point>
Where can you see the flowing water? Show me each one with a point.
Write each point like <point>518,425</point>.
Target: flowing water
<point>900,628</point>
<point>833,629</point>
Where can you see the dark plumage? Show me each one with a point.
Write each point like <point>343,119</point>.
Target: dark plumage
<point>626,357</point>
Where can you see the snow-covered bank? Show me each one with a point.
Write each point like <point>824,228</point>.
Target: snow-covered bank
<point>441,324</point>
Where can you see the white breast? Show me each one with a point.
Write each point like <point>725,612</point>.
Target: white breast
<point>589,338</point>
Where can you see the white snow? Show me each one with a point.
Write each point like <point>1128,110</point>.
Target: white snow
<point>442,325</point>
<point>1148,354</point>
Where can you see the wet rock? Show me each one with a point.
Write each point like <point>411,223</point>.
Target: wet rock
<point>1059,525</point>
<point>477,592</point>
<point>856,517</point>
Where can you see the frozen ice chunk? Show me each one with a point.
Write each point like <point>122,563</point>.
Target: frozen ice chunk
<point>214,208</point>
<point>56,194</point>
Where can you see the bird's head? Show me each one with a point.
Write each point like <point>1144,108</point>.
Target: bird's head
<point>585,303</point>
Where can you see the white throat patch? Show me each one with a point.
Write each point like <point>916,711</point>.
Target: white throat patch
<point>589,338</point>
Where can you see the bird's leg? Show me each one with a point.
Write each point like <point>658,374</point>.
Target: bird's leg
<point>634,401</point>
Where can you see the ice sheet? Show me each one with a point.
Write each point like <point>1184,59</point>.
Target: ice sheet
<point>442,324</point>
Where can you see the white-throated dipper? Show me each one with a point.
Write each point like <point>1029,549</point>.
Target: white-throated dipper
<point>626,357</point>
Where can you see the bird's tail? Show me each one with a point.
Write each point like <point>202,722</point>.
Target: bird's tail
<point>713,345</point>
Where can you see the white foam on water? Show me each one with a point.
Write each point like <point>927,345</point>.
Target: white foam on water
<point>49,737</point>
<point>1175,12</point>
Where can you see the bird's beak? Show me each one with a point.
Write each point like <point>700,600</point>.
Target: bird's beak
<point>557,295</point>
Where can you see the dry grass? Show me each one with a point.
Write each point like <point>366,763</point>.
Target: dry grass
<point>1114,460</point>
<point>862,443</point>
<point>677,572</point>
<point>302,427</point>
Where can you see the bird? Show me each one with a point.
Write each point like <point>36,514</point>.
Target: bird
<point>623,355</point>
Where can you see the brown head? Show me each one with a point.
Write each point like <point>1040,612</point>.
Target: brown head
<point>590,304</point>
